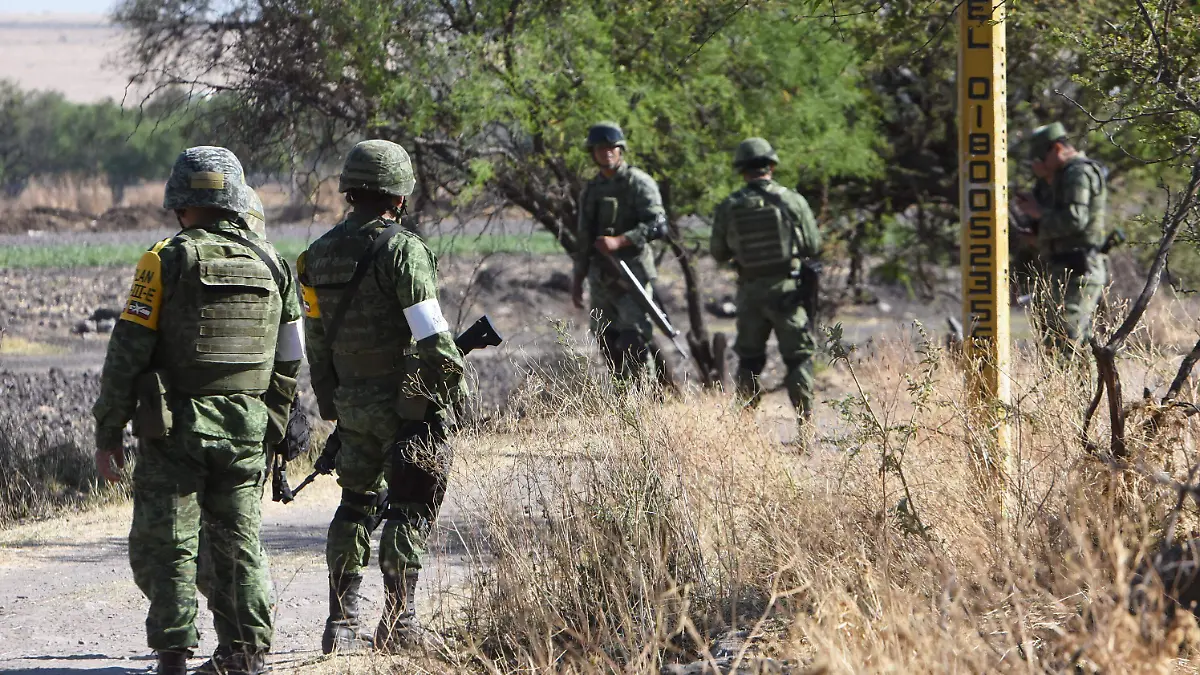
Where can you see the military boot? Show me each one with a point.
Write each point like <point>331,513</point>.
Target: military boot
<point>228,660</point>
<point>172,662</point>
<point>215,665</point>
<point>341,628</point>
<point>398,629</point>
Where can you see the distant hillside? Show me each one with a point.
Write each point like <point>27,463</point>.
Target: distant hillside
<point>76,54</point>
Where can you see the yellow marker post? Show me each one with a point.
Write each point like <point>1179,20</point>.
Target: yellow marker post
<point>983,172</point>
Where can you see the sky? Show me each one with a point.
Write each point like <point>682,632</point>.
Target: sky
<point>72,6</point>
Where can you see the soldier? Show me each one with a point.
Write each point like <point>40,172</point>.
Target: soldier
<point>620,213</point>
<point>1070,236</point>
<point>384,365</point>
<point>768,231</point>
<point>206,353</point>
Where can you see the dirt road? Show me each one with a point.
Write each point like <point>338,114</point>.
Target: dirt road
<point>68,603</point>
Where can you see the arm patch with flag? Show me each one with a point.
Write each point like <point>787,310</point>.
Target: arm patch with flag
<point>145,294</point>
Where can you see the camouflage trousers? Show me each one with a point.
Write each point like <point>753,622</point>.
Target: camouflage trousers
<point>175,481</point>
<point>414,475</point>
<point>766,305</point>
<point>623,329</point>
<point>1071,297</point>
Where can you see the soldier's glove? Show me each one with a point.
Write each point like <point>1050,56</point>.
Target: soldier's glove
<point>326,463</point>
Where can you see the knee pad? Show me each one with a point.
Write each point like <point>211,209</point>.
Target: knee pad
<point>753,364</point>
<point>365,513</point>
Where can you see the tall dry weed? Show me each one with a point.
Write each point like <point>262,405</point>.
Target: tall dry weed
<point>618,533</point>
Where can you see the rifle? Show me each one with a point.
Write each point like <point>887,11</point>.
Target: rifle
<point>481,334</point>
<point>646,302</point>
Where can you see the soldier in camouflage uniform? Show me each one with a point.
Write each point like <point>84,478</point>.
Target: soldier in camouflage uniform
<point>206,354</point>
<point>1070,234</point>
<point>767,231</point>
<point>620,213</point>
<point>389,377</point>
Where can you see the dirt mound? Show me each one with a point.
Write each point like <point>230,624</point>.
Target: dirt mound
<point>50,219</point>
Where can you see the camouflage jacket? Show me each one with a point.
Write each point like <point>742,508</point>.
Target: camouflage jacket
<point>627,203</point>
<point>393,345</point>
<point>140,343</point>
<point>1073,216</point>
<point>806,238</point>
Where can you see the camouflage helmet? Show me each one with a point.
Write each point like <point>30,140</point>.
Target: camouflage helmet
<point>206,176</point>
<point>1044,137</point>
<point>378,166</point>
<point>606,133</point>
<point>254,215</point>
<point>753,149</point>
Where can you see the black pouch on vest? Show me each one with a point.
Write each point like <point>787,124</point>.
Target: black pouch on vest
<point>154,419</point>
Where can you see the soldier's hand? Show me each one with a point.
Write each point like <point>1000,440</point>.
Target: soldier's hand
<point>109,463</point>
<point>610,245</point>
<point>1029,206</point>
<point>577,293</point>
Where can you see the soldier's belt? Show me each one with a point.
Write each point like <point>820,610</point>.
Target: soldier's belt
<point>775,269</point>
<point>206,382</point>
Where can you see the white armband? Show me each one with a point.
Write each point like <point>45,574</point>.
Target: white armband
<point>425,319</point>
<point>290,346</point>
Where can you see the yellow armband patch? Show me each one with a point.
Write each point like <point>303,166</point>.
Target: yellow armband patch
<point>308,294</point>
<point>145,295</point>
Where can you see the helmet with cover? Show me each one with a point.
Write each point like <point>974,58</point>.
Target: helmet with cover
<point>1044,137</point>
<point>254,215</point>
<point>206,176</point>
<point>753,153</point>
<point>606,133</point>
<point>378,166</point>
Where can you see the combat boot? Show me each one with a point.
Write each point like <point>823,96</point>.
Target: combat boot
<point>342,627</point>
<point>398,629</point>
<point>172,662</point>
<point>227,660</point>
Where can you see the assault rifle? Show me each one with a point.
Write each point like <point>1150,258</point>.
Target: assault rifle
<point>646,302</point>
<point>481,334</point>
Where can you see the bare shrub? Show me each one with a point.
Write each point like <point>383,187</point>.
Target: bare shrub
<point>621,534</point>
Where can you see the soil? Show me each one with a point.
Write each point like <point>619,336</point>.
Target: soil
<point>118,218</point>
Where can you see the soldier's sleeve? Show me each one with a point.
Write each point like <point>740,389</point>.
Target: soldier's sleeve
<point>807,234</point>
<point>131,346</point>
<point>584,236</point>
<point>718,243</point>
<point>648,209</point>
<point>289,350</point>
<point>438,375</point>
<point>1069,218</point>
<point>320,356</point>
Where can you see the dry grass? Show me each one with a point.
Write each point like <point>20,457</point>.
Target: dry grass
<point>87,195</point>
<point>625,535</point>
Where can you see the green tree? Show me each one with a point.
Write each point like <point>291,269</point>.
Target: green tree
<point>495,97</point>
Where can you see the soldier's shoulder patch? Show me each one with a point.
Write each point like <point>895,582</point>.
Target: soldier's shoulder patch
<point>308,294</point>
<point>145,294</point>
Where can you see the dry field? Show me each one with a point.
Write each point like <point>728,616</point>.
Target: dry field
<point>74,54</point>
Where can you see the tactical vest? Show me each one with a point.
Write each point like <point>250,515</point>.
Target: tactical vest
<point>761,238</point>
<point>374,335</point>
<point>220,325</point>
<point>1095,232</point>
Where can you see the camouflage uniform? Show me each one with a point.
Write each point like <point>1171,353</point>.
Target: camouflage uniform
<point>1070,234</point>
<point>388,378</point>
<point>626,203</point>
<point>206,352</point>
<point>766,248</point>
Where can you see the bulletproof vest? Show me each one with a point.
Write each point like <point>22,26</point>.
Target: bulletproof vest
<point>1095,232</point>
<point>761,238</point>
<point>373,336</point>
<point>220,325</point>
